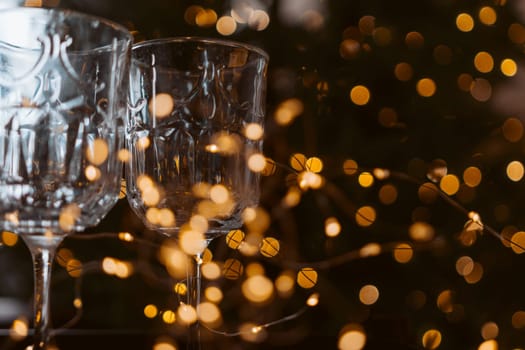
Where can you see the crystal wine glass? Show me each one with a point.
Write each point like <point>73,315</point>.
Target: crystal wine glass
<point>63,77</point>
<point>196,124</point>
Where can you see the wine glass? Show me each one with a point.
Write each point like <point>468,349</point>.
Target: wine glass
<point>63,77</point>
<point>195,128</point>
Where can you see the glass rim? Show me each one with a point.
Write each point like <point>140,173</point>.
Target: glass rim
<point>206,40</point>
<point>77,14</point>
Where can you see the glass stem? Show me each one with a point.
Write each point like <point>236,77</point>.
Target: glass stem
<point>194,299</point>
<point>43,251</point>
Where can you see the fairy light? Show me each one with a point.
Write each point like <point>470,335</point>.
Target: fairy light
<point>19,329</point>
<point>126,237</point>
<point>150,311</point>
<point>489,345</point>
<point>9,238</point>
<point>186,314</point>
<point>464,22</point>
<point>213,294</point>
<point>431,339</point>
<point>97,152</point>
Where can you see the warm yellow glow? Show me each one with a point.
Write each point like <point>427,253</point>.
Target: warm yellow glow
<point>234,238</point>
<point>488,345</point>
<point>74,268</point>
<point>483,62</point>
<point>257,288</point>
<point>9,238</point>
<point>259,20</point>
<point>186,314</point>
<point>232,269</point>
<point>445,302</point>
<point>314,164</point>
<point>164,345</point>
<point>256,219</point>
<point>125,236</point>
<point>518,319</point>
<point>515,170</point>
<point>421,231</point>
<point>211,270</point>
<point>472,176</point>
<point>251,332</point>
<point>487,15</point>
<point>351,337</point>
<point>269,247</point>
<point>68,216</point>
<point>206,18</point>
<point>208,313</point>
<point>366,179</point>
<point>254,269</point>
<point>169,317</point>
<point>253,131</point>
<point>426,87</point>
<point>449,184</point>
<point>97,151</point>
<point>288,110</point>
<point>476,274</point>
<point>77,303</point>
<point>481,89</point>
<point>512,129</point>
<point>19,329</point>
<point>63,256</point>
<point>509,67</point>
<point>365,216</point>
<point>285,283</point>
<point>332,227</point>
<point>369,294</point>
<point>161,105</point>
<point>292,197</point>
<point>464,265</point>
<point>517,242</point>
<point>388,194</point>
<point>350,167</point>
<point>257,162</point>
<point>213,294</point>
<point>226,25</point>
<point>403,253</point>
<point>307,278</point>
<point>191,13</point>
<point>382,36</point>
<point>367,24</point>
<point>270,167</point>
<point>370,249</point>
<point>180,288</point>
<point>403,71</point>
<point>298,162</point>
<point>360,95</point>
<point>92,173</point>
<point>464,22</point>
<point>431,339</point>
<point>489,330</point>
<point>192,242</point>
<point>150,311</point>
<point>465,82</point>
<point>123,155</point>
<point>349,48</point>
<point>414,40</point>
<point>219,194</point>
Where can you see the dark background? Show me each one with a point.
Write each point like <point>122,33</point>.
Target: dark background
<point>451,126</point>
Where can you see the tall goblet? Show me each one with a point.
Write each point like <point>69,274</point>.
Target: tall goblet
<point>63,77</point>
<point>196,122</point>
